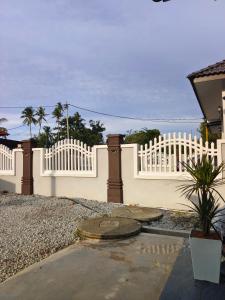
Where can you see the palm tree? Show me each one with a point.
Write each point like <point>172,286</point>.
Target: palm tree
<point>57,114</point>
<point>47,132</point>
<point>41,114</point>
<point>204,182</point>
<point>28,116</point>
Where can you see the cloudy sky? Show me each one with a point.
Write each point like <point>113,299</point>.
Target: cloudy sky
<point>127,57</point>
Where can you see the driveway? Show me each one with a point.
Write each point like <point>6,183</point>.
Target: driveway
<point>143,267</point>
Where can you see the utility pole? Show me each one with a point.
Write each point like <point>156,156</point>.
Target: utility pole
<point>66,106</point>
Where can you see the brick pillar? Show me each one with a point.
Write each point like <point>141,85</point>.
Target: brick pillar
<point>115,184</point>
<point>27,179</point>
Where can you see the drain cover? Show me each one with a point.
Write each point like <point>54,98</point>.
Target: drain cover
<point>109,228</point>
<point>142,214</point>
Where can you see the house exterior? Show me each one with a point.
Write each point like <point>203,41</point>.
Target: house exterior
<point>209,87</point>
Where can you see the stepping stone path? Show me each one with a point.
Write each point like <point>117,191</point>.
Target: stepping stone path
<point>142,214</point>
<point>109,228</point>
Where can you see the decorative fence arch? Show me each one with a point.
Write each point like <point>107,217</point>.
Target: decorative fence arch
<point>69,157</point>
<point>164,155</point>
<point>6,161</point>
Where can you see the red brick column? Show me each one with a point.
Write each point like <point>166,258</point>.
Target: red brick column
<point>27,179</point>
<point>115,184</point>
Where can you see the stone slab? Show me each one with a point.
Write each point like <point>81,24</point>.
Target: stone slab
<point>164,231</point>
<point>134,268</point>
<point>142,214</point>
<point>108,228</point>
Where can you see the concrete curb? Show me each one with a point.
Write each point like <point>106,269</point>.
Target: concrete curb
<point>163,231</point>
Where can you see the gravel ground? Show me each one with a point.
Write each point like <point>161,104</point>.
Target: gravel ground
<point>33,227</point>
<point>177,220</point>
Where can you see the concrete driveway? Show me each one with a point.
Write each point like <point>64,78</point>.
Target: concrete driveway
<point>143,267</point>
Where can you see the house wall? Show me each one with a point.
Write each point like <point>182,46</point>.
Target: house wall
<point>12,183</point>
<point>94,188</point>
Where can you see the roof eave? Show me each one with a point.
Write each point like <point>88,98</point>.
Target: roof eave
<point>191,78</point>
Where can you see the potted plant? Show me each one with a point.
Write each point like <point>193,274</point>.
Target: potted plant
<point>206,239</point>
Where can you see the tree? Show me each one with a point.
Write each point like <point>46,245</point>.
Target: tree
<point>91,135</point>
<point>141,137</point>
<point>28,116</point>
<point>58,114</point>
<point>41,114</point>
<point>3,130</point>
<point>45,138</point>
<point>212,137</point>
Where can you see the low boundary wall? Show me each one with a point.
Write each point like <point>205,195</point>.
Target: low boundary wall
<point>116,176</point>
<point>93,188</point>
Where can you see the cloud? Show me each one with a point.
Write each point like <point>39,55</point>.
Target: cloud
<point>122,57</point>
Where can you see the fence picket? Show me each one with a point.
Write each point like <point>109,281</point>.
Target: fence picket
<point>68,155</point>
<point>166,154</point>
<point>179,151</point>
<point>174,153</point>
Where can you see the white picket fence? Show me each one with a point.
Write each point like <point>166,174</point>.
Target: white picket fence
<point>164,155</point>
<point>69,157</point>
<point>6,161</point>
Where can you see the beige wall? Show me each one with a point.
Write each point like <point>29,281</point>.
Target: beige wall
<point>12,183</point>
<point>150,192</point>
<point>93,188</point>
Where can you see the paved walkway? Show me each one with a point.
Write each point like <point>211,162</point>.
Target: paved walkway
<point>147,267</point>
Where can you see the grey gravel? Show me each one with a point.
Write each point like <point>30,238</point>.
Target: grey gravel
<point>33,227</point>
<point>176,220</point>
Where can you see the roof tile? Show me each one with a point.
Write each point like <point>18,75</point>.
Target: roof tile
<point>215,69</point>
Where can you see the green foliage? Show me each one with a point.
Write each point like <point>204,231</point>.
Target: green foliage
<point>45,139</point>
<point>41,114</point>
<point>204,182</point>
<point>142,136</point>
<point>212,137</point>
<point>91,135</point>
<point>58,114</point>
<point>28,116</point>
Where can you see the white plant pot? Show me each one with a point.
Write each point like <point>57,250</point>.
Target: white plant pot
<point>206,258</point>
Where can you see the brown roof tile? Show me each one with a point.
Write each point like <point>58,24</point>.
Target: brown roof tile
<point>218,68</point>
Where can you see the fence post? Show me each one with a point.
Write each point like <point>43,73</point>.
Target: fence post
<point>115,184</point>
<point>27,179</point>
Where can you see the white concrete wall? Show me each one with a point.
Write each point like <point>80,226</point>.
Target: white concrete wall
<point>12,183</point>
<point>93,188</point>
<point>151,192</point>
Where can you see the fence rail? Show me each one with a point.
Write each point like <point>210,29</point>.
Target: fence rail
<point>164,156</point>
<point>69,157</point>
<point>6,160</point>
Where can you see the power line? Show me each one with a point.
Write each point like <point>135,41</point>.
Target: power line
<point>16,127</point>
<point>21,107</point>
<point>156,120</point>
<point>168,120</point>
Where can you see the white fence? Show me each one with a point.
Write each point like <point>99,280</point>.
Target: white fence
<point>6,161</point>
<point>69,158</point>
<point>164,156</point>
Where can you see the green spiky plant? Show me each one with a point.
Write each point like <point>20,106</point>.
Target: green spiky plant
<point>205,178</point>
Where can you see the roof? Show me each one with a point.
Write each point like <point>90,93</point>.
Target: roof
<point>216,69</point>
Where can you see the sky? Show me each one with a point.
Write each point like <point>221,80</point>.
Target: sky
<point>126,57</point>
